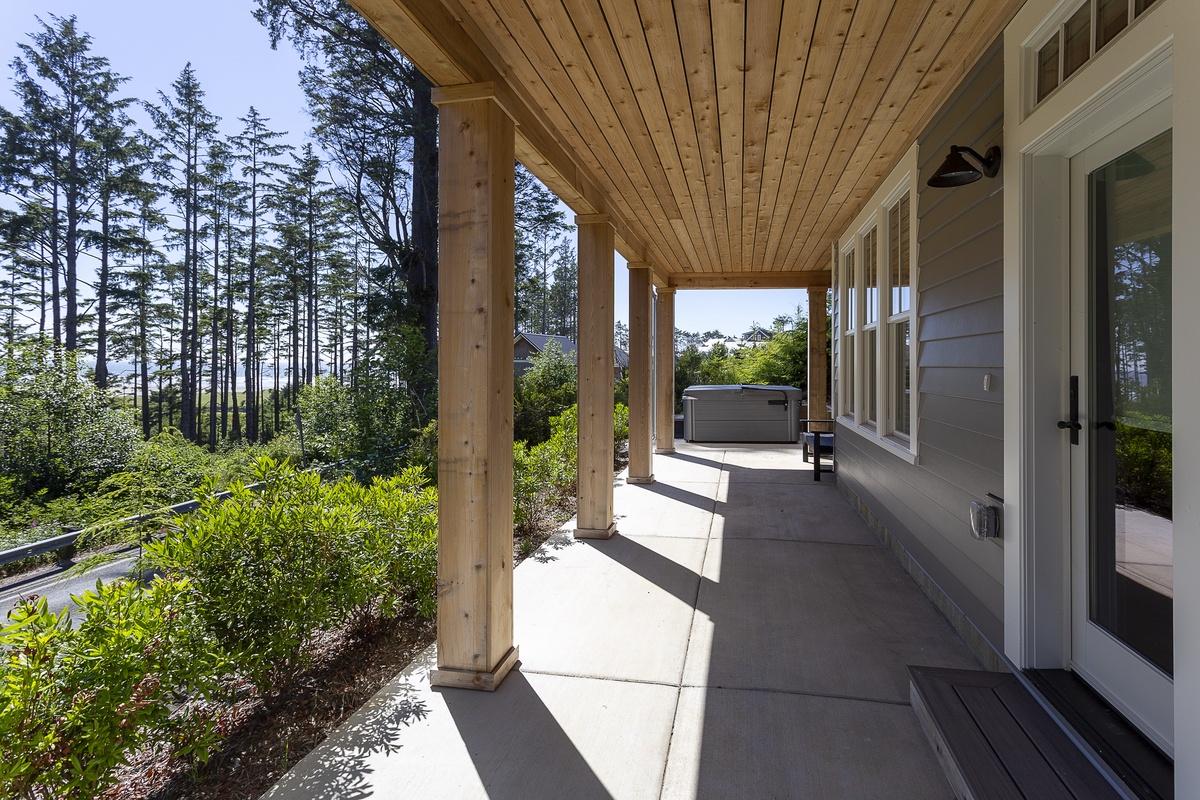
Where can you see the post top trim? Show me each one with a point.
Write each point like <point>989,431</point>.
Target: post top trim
<point>593,219</point>
<point>471,92</point>
<point>638,265</point>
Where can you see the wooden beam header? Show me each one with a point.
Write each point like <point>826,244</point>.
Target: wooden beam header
<point>749,280</point>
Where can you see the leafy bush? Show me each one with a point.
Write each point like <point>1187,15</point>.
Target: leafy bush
<point>545,476</point>
<point>329,413</point>
<point>546,389</point>
<point>274,567</point>
<point>58,432</point>
<point>396,549</point>
<point>423,451</point>
<point>1144,458</point>
<point>76,702</point>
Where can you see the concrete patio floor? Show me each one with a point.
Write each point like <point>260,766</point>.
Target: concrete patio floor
<point>744,636</point>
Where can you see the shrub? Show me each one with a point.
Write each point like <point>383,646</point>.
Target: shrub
<point>547,389</point>
<point>423,451</point>
<point>75,703</point>
<point>274,567</point>
<point>396,549</point>
<point>1144,456</point>
<point>58,432</point>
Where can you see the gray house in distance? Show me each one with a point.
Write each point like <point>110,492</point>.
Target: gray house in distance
<point>527,345</point>
<point>985,195</point>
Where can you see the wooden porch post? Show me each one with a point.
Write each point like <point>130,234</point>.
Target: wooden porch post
<point>475,389</point>
<point>664,434</point>
<point>641,391</point>
<point>818,350</point>
<point>596,247</point>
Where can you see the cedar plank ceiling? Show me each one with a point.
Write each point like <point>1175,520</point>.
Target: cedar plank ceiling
<point>730,141</point>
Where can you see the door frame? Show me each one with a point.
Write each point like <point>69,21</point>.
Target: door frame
<point>1037,545</point>
<point>1140,691</point>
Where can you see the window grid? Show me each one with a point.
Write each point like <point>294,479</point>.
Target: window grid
<point>877,300</point>
<point>1084,32</point>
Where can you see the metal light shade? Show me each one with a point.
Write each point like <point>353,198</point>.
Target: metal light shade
<point>957,171</point>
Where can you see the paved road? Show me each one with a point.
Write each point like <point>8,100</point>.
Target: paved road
<point>57,587</point>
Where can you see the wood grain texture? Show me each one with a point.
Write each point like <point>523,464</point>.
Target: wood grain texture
<point>641,392</point>
<point>595,506</point>
<point>664,371</point>
<point>724,137</point>
<point>475,306</point>
<point>818,355</point>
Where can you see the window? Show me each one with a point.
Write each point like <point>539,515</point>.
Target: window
<point>876,334</point>
<point>1078,36</point>
<point>849,315</point>
<point>870,330</point>
<point>899,320</point>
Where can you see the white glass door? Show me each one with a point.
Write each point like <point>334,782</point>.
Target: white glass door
<point>1120,422</point>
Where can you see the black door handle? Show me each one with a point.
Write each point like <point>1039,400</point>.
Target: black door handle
<point>1072,423</point>
<point>1106,426</point>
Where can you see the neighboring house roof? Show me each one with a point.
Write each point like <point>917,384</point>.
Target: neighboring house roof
<point>538,342</point>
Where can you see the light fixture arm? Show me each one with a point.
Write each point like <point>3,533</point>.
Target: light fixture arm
<point>989,163</point>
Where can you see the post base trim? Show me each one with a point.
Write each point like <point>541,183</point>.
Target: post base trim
<point>469,679</point>
<point>596,533</point>
<point>639,479</point>
<point>664,451</point>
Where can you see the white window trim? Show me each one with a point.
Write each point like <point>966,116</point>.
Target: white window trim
<point>874,215</point>
<point>1054,21</point>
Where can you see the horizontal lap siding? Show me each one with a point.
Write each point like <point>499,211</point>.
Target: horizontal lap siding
<point>960,312</point>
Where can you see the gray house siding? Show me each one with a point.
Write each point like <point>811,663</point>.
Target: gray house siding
<point>924,508</point>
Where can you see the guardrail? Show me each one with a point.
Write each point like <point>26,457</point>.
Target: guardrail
<point>70,540</point>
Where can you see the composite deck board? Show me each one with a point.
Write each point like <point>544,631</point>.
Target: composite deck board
<point>997,743</point>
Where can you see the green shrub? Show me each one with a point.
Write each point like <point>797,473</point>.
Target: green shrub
<point>58,432</point>
<point>274,567</point>
<point>76,702</point>
<point>547,389</point>
<point>396,548</point>
<point>1144,464</point>
<point>423,451</point>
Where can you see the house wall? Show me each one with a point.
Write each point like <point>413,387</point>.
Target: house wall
<point>922,508</point>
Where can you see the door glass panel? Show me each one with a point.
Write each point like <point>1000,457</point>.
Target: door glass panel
<point>1129,426</point>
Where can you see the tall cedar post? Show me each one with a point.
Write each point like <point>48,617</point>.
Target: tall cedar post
<point>818,353</point>
<point>641,390</point>
<point>596,247</point>
<point>475,399</point>
<point>664,371</point>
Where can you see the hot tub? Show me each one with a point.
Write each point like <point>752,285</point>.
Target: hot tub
<point>742,413</point>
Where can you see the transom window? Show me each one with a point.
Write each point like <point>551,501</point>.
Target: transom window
<point>1085,31</point>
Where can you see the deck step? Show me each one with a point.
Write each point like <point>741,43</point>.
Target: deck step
<point>996,743</point>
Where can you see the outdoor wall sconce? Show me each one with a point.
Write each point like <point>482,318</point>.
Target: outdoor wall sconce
<point>957,171</point>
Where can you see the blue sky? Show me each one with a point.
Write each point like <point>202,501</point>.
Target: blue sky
<point>150,41</point>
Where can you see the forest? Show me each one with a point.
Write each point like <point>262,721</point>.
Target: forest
<point>212,284</point>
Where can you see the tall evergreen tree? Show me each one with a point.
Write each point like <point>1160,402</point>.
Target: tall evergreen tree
<point>185,129</point>
<point>257,147</point>
<point>49,152</point>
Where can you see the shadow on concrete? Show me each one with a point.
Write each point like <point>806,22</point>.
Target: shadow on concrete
<point>691,459</point>
<point>795,684</point>
<point>342,767</point>
<point>518,747</point>
<point>673,492</point>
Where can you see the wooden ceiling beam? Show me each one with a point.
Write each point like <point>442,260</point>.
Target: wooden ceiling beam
<point>749,280</point>
<point>433,40</point>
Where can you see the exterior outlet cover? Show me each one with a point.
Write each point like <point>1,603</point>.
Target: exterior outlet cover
<point>985,520</point>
